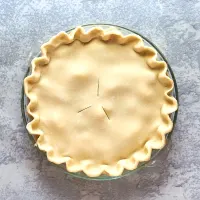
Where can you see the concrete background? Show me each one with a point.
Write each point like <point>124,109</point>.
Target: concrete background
<point>173,25</point>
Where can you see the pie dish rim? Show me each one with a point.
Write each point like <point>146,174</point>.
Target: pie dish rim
<point>163,58</point>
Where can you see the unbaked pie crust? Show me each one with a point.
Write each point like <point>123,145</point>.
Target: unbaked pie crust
<point>99,101</point>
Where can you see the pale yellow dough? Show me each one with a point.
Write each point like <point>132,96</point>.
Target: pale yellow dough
<point>99,103</point>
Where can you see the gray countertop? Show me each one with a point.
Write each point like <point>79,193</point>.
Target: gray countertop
<point>173,25</point>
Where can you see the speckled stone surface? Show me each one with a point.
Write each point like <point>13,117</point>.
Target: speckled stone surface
<point>173,25</point>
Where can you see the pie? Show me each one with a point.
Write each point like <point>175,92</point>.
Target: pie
<point>99,101</point>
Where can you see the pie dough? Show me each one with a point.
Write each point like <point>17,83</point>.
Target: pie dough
<point>99,101</point>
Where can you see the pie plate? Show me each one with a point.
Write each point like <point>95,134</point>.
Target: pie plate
<point>173,116</point>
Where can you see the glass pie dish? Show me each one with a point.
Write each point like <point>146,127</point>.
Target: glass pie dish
<point>173,116</point>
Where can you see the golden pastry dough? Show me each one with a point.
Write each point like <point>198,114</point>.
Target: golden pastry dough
<point>99,101</point>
